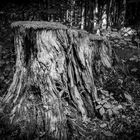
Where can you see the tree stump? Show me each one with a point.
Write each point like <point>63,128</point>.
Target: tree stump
<point>53,85</point>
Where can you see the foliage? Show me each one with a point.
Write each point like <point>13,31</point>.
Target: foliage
<point>107,105</point>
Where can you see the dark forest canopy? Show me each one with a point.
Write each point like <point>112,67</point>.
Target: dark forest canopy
<point>17,1</point>
<point>79,13</point>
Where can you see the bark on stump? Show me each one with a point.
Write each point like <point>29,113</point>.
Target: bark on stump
<point>53,87</point>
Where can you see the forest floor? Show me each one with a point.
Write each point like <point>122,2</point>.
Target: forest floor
<point>121,120</point>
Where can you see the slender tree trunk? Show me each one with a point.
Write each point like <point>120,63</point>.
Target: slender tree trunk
<point>85,14</point>
<point>92,16</point>
<point>109,13</point>
<point>72,13</point>
<point>44,3</point>
<point>124,13</point>
<point>83,17</point>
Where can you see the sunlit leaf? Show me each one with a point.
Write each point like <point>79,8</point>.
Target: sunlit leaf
<point>110,112</point>
<point>103,125</point>
<point>115,110</point>
<point>107,105</point>
<point>120,107</point>
<point>108,133</point>
<point>98,106</point>
<point>102,111</point>
<point>128,97</point>
<point>103,101</point>
<point>104,92</point>
<point>134,69</point>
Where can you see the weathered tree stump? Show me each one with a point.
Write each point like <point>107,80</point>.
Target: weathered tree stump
<point>53,85</point>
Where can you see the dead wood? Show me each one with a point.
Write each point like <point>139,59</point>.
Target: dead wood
<point>54,83</point>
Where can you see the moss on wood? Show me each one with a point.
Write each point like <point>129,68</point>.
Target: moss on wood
<point>38,25</point>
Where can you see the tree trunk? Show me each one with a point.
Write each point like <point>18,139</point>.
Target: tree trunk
<point>83,18</point>
<point>123,13</point>
<point>53,92</point>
